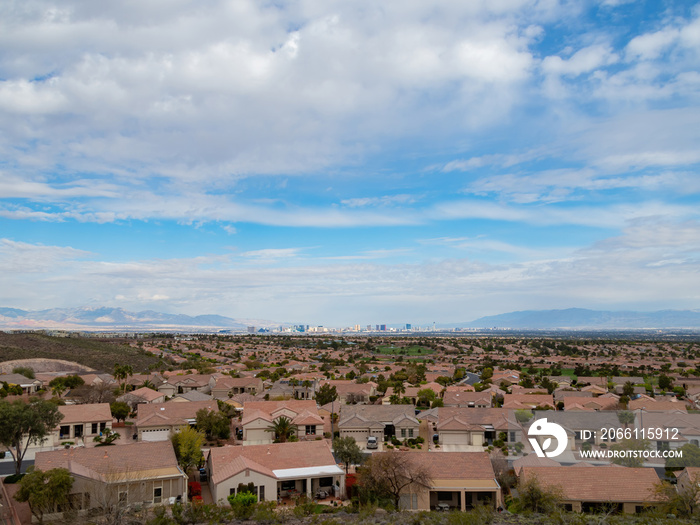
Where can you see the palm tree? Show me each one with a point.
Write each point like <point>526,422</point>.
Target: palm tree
<point>283,428</point>
<point>399,389</point>
<point>122,372</point>
<point>293,382</point>
<point>626,417</point>
<point>306,384</point>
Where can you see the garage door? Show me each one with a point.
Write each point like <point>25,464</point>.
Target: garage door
<point>454,439</point>
<point>156,434</point>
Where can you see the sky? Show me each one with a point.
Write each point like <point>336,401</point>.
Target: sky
<point>336,163</point>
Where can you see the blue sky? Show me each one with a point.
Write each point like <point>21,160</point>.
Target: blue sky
<point>336,163</point>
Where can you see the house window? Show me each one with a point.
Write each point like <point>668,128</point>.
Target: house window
<point>310,430</point>
<point>157,494</point>
<point>231,492</point>
<point>403,432</point>
<point>512,437</point>
<point>410,432</point>
<point>262,493</point>
<point>94,428</point>
<point>123,496</point>
<point>64,431</point>
<point>103,426</point>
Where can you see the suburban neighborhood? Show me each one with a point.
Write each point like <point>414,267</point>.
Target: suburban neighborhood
<point>260,424</point>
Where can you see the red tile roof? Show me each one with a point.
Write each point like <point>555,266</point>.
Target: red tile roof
<point>598,484</point>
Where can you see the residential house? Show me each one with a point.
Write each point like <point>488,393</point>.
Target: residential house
<point>467,399</point>
<point>599,381</point>
<point>155,421</point>
<point>596,489</point>
<point>141,395</point>
<point>411,392</point>
<point>467,429</point>
<point>108,477</point>
<point>559,395</point>
<point>460,480</point>
<point>689,480</point>
<point>676,428</point>
<point>350,392</point>
<point>508,377</point>
<point>192,395</point>
<point>81,423</point>
<point>186,383</point>
<point>594,404</point>
<point>527,401</point>
<point>277,470</point>
<point>259,417</point>
<point>29,386</point>
<point>657,404</point>
<point>227,387</point>
<point>380,421</point>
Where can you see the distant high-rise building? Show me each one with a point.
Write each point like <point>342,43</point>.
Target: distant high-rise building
<point>251,329</point>
<point>369,327</point>
<point>382,328</point>
<point>408,326</point>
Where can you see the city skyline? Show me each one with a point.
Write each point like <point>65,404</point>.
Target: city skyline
<point>336,162</point>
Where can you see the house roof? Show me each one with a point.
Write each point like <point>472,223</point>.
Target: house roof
<point>193,395</point>
<point>171,413</point>
<point>190,380</point>
<point>230,460</point>
<point>303,412</point>
<point>17,379</point>
<point>133,461</point>
<point>516,401</point>
<point>465,398</point>
<point>650,403</point>
<point>237,382</point>
<point>455,465</point>
<point>84,413</point>
<point>385,414</point>
<point>496,417</point>
<point>145,393</point>
<point>597,485</point>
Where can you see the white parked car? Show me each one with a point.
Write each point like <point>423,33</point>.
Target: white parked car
<point>372,442</point>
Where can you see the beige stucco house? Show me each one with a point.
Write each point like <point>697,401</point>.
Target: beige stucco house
<point>459,480</point>
<point>108,477</point>
<point>591,489</point>
<point>155,421</point>
<point>259,416</point>
<point>276,470</point>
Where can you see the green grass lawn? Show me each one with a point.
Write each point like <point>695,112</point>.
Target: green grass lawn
<point>408,350</point>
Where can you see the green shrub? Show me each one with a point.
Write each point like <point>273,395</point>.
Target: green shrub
<point>243,504</point>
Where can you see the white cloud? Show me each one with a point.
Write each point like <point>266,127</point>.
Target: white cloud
<point>650,46</point>
<point>345,292</point>
<point>583,61</point>
<point>386,200</point>
<point>230,90</point>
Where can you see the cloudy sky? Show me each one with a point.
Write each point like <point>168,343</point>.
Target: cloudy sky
<point>333,162</point>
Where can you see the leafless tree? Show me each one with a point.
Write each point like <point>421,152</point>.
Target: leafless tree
<point>391,473</point>
<point>98,393</point>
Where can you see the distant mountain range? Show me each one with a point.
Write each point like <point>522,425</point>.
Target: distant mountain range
<point>106,318</point>
<point>116,318</point>
<point>580,318</point>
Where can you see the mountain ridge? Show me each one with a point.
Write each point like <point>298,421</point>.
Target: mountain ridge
<point>115,317</point>
<point>580,318</point>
